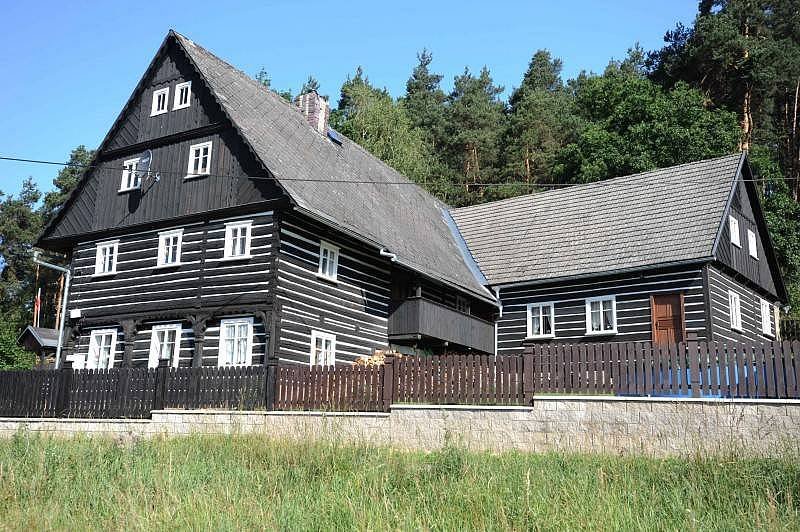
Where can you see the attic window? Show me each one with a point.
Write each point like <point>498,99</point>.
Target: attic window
<point>183,93</point>
<point>130,178</point>
<point>752,244</point>
<point>160,98</point>
<point>733,223</point>
<point>199,159</point>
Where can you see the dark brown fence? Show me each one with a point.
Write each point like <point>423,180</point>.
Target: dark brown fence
<point>338,388</point>
<point>696,369</point>
<point>462,379</point>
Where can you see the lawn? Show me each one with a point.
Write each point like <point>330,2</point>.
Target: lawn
<point>249,482</point>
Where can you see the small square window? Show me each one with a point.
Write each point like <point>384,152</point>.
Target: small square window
<point>165,344</point>
<point>237,239</point>
<point>735,310</point>
<point>160,99</point>
<point>733,223</point>
<point>328,266</point>
<point>752,244</point>
<point>235,342</point>
<point>183,95</point>
<point>462,304</point>
<point>199,159</point>
<point>105,259</point>
<point>102,346</point>
<point>169,247</point>
<point>131,179</point>
<point>766,318</point>
<point>541,320</point>
<point>601,315</point>
<point>323,349</point>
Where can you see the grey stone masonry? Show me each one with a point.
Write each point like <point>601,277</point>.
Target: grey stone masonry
<point>608,425</point>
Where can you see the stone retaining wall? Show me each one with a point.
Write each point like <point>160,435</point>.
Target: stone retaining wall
<point>578,424</point>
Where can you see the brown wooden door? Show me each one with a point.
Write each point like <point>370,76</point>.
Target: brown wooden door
<point>668,324</point>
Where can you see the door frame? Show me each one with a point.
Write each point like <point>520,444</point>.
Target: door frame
<point>653,314</point>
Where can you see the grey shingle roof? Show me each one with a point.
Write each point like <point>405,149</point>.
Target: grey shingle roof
<point>403,218</point>
<point>44,337</point>
<point>667,215</point>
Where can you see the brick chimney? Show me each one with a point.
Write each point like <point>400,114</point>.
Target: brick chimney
<point>316,110</point>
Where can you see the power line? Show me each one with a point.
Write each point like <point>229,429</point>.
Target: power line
<point>357,182</point>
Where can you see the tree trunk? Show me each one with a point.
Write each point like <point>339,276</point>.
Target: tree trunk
<point>747,119</point>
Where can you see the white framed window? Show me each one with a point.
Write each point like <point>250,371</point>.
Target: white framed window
<point>601,315</point>
<point>130,177</point>
<point>462,304</point>
<point>183,95</point>
<point>237,239</point>
<point>766,318</point>
<point>235,342</point>
<point>735,310</point>
<point>733,224</point>
<point>105,259</point>
<point>102,346</point>
<point>752,244</point>
<point>169,247</point>
<point>199,159</point>
<point>541,320</point>
<point>328,266</point>
<point>165,344</point>
<point>160,101</point>
<point>323,349</point>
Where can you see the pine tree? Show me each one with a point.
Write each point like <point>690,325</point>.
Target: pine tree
<point>425,100</point>
<point>66,180</point>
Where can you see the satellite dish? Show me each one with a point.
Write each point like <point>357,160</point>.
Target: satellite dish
<point>143,168</point>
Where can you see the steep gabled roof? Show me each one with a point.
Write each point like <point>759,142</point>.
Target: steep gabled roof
<point>671,215</point>
<point>340,184</point>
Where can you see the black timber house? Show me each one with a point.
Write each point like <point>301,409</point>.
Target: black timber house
<point>257,234</point>
<point>665,256</point>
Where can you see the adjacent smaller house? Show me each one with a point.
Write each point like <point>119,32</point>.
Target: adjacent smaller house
<point>661,256</point>
<point>40,340</point>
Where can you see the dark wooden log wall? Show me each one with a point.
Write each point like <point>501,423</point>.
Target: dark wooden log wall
<point>633,306</point>
<point>719,283</point>
<point>355,308</point>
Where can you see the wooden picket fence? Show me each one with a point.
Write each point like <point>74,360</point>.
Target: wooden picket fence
<point>333,388</point>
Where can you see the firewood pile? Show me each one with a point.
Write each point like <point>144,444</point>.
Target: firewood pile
<point>378,358</point>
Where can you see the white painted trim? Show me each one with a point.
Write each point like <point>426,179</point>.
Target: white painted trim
<point>124,185</point>
<point>752,244</point>
<point>735,310</point>
<point>588,305</point>
<point>175,103</point>
<point>152,359</point>
<point>93,345</point>
<point>333,258</point>
<point>529,320</point>
<point>98,269</point>
<point>154,107</point>
<point>766,318</point>
<point>324,336</point>
<point>223,338</point>
<point>201,171</point>
<point>162,251</point>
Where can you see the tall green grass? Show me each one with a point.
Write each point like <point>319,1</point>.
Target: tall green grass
<point>240,482</point>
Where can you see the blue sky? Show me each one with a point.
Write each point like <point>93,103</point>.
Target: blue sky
<point>67,72</point>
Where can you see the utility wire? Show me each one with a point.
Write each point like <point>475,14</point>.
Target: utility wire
<point>668,179</point>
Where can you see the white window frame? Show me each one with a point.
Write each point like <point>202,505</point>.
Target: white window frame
<point>541,306</point>
<point>588,306</point>
<point>190,168</point>
<point>154,107</point>
<point>114,244</point>
<point>752,244</point>
<point>229,228</point>
<point>176,100</point>
<point>766,319</point>
<point>222,339</point>
<point>735,310</point>
<point>736,237</point>
<point>323,336</point>
<point>334,251</point>
<point>125,185</point>
<point>163,236</point>
<point>154,356</point>
<point>93,346</point>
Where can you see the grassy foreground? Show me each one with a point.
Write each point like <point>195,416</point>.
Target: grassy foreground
<point>249,482</point>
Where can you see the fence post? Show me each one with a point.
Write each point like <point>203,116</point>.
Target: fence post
<point>693,353</point>
<point>388,382</point>
<point>62,403</point>
<point>162,374</point>
<point>528,376</point>
<point>271,385</point>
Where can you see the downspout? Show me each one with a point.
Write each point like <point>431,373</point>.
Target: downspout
<point>67,278</point>
<point>497,321</point>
